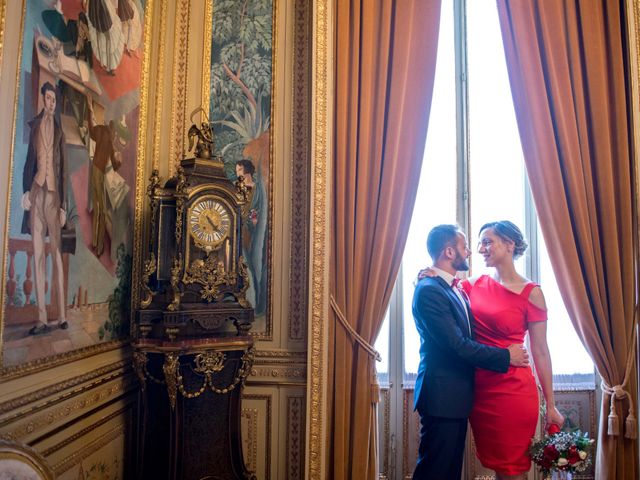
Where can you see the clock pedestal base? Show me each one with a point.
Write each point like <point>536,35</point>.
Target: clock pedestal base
<point>190,422</point>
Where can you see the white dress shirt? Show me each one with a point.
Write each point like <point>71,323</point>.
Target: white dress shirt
<point>447,277</point>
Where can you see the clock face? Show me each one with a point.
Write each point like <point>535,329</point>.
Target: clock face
<point>209,222</point>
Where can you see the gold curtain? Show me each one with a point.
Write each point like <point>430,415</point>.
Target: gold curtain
<point>567,68</point>
<point>385,66</point>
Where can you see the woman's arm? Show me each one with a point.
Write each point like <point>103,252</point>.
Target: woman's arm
<point>542,359</point>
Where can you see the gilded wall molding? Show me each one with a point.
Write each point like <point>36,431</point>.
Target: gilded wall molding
<point>180,87</point>
<point>316,418</point>
<point>251,452</point>
<point>37,424</point>
<point>278,375</point>
<point>91,448</point>
<point>159,92</point>
<point>298,279</point>
<point>86,431</point>
<point>141,156</point>
<point>60,359</point>
<point>7,200</point>
<point>276,356</point>
<point>206,56</point>
<point>268,422</point>
<point>86,381</point>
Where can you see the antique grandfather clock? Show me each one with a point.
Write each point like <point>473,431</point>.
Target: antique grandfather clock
<point>192,348</point>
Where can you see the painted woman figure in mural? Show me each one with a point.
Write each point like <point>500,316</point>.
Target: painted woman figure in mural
<point>129,14</point>
<point>254,232</point>
<point>105,31</point>
<point>43,201</point>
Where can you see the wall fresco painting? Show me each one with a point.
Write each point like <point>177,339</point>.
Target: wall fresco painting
<point>240,111</point>
<point>73,176</point>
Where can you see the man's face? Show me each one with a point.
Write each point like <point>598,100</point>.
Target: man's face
<point>462,253</point>
<point>50,102</point>
<point>239,171</point>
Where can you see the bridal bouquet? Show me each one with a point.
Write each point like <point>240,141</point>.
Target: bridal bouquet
<point>562,451</point>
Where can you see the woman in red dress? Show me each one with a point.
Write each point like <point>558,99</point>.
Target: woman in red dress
<point>505,306</point>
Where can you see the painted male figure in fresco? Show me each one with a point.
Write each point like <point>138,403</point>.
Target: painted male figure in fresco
<point>43,184</point>
<point>254,225</point>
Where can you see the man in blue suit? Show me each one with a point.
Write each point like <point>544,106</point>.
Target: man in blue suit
<point>448,358</point>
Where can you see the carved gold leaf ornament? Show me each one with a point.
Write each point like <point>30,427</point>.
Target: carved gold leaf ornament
<point>148,270</point>
<point>211,274</point>
<point>170,369</point>
<point>208,363</point>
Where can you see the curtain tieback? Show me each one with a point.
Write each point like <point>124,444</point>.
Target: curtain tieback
<point>619,392</point>
<point>357,337</point>
<point>373,353</point>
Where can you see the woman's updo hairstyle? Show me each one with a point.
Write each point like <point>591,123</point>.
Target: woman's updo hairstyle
<point>507,231</point>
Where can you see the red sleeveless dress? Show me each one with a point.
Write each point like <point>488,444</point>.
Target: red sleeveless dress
<point>505,408</point>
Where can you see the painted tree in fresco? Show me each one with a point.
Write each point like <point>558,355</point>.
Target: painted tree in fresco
<point>241,80</point>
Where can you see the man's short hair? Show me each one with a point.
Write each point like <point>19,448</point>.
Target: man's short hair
<point>47,86</point>
<point>247,166</point>
<point>441,237</point>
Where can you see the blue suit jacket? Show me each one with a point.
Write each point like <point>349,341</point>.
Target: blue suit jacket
<point>448,354</point>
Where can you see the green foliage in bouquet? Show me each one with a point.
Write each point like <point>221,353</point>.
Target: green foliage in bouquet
<point>562,451</point>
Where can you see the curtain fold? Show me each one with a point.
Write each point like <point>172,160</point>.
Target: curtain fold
<point>568,74</point>
<point>385,67</point>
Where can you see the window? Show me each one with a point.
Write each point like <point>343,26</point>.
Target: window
<point>473,150</point>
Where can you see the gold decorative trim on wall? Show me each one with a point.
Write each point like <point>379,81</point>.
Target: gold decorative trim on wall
<point>37,424</point>
<point>179,93</point>
<point>206,56</point>
<point>251,453</point>
<point>278,367</point>
<point>141,157</point>
<point>86,431</point>
<point>7,200</point>
<point>267,451</point>
<point>316,420</point>
<point>60,359</point>
<point>90,449</point>
<point>294,447</point>
<point>159,93</point>
<point>95,377</point>
<point>298,280</point>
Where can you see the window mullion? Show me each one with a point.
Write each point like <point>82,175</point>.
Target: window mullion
<point>532,262</point>
<point>462,115</point>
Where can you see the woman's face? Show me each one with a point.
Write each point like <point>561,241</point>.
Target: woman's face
<point>493,248</point>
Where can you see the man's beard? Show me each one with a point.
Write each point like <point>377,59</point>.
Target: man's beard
<point>460,263</point>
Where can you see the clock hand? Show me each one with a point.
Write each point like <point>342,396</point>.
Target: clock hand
<point>211,223</point>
